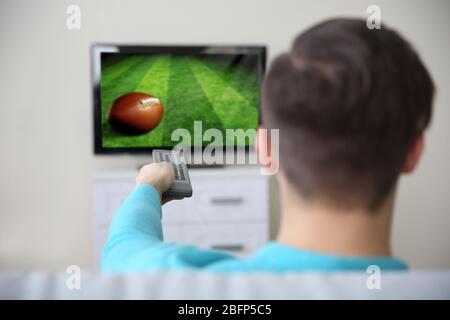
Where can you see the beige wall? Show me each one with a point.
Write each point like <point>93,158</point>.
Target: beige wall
<point>46,112</point>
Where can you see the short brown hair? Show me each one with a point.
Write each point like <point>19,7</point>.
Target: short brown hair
<point>349,102</point>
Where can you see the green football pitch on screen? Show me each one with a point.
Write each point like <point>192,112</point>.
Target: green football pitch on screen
<point>221,94</point>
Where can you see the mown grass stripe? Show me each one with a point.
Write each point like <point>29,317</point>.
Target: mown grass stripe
<point>232,108</point>
<point>187,102</point>
<point>244,81</point>
<point>114,72</point>
<point>154,82</point>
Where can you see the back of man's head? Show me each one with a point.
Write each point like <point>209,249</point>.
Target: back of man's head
<point>349,103</point>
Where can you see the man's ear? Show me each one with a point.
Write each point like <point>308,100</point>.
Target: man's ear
<point>414,154</point>
<point>268,150</point>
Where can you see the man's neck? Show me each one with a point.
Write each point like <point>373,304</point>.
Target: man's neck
<point>354,233</point>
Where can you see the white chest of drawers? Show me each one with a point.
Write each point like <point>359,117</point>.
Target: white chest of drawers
<point>228,210</point>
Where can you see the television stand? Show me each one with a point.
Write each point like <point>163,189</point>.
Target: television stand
<point>228,210</point>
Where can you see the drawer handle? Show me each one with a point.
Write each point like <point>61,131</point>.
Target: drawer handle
<point>228,247</point>
<point>227,201</point>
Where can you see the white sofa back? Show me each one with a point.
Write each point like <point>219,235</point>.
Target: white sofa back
<point>202,285</point>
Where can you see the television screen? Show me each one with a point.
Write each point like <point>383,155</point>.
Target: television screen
<point>143,94</point>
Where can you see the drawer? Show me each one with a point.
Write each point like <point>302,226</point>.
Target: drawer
<point>238,239</point>
<point>221,200</point>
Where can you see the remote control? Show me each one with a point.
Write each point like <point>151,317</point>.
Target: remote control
<point>181,187</point>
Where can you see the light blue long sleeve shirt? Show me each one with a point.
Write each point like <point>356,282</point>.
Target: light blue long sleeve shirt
<point>135,243</point>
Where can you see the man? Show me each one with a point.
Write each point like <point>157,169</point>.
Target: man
<point>352,105</point>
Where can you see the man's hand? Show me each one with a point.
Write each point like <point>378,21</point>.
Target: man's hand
<point>159,175</point>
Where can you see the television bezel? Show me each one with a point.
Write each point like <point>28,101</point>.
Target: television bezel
<point>98,48</point>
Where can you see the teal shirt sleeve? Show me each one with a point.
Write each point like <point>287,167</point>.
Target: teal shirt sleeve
<point>135,240</point>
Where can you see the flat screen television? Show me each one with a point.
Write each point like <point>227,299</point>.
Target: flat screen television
<point>216,86</point>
